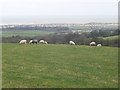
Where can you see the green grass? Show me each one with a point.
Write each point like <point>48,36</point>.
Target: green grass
<point>111,37</point>
<point>59,66</point>
<point>24,33</point>
<point>81,27</point>
<point>110,27</point>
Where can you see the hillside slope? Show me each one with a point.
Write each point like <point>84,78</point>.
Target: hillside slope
<point>59,66</point>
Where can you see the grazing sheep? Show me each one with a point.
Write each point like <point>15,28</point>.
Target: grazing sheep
<point>23,42</point>
<point>71,43</point>
<point>45,42</point>
<point>92,44</point>
<point>99,45</point>
<point>41,41</point>
<point>33,41</point>
<point>30,42</point>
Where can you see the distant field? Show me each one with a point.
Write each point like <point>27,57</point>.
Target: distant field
<point>81,28</point>
<point>110,27</point>
<point>111,37</point>
<point>59,66</point>
<point>24,33</point>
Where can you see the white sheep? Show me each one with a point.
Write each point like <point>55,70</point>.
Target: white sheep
<point>23,42</point>
<point>41,41</point>
<point>99,45</point>
<point>71,43</point>
<point>92,44</point>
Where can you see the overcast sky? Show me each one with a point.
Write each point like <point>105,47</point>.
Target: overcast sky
<point>58,11</point>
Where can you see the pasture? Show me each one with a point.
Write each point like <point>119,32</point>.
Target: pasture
<point>111,37</point>
<point>59,66</point>
<point>24,33</point>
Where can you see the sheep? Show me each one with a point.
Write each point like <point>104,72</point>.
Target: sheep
<point>45,42</point>
<point>42,42</point>
<point>92,44</point>
<point>23,42</point>
<point>33,41</point>
<point>30,41</point>
<point>71,43</point>
<point>99,45</point>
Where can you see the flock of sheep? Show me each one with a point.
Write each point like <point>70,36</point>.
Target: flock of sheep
<point>33,42</point>
<point>45,42</point>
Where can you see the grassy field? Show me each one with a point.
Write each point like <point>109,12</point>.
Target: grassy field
<point>24,33</point>
<point>81,27</point>
<point>111,37</point>
<point>59,66</point>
